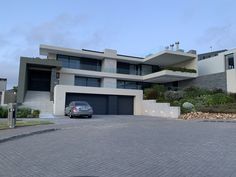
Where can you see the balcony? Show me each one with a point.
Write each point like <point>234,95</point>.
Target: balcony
<point>168,75</point>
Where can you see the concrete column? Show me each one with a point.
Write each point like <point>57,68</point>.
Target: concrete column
<point>109,65</point>
<point>53,83</point>
<point>108,83</point>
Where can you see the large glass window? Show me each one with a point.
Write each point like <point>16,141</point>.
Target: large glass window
<point>129,85</point>
<point>64,60</point>
<point>87,81</point>
<point>230,61</point>
<point>127,68</point>
<point>122,68</point>
<point>80,63</point>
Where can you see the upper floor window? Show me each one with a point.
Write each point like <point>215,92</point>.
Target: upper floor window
<point>230,61</point>
<point>79,63</point>
<point>87,81</point>
<point>129,85</point>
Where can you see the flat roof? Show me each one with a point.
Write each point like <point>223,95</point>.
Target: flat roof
<point>166,57</point>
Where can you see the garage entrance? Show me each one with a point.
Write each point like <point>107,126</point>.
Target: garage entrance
<point>105,104</point>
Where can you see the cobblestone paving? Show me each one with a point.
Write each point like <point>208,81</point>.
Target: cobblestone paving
<point>125,146</point>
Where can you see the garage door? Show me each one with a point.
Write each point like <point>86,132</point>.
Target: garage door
<point>105,104</point>
<point>125,105</point>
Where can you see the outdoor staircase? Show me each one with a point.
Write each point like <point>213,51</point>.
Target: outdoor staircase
<point>39,100</point>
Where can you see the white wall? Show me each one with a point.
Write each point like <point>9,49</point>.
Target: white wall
<point>211,65</point>
<point>151,108</point>
<point>108,82</point>
<point>109,65</point>
<point>190,64</point>
<point>231,80</point>
<point>60,96</point>
<point>67,79</point>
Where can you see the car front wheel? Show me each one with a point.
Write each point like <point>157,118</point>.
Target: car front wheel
<point>70,115</point>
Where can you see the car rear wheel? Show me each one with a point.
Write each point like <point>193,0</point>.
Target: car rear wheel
<point>90,116</point>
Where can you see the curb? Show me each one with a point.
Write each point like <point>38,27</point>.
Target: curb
<point>28,134</point>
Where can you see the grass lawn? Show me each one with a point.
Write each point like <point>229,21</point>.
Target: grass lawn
<point>22,123</point>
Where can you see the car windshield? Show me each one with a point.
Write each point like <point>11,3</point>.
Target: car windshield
<point>81,104</point>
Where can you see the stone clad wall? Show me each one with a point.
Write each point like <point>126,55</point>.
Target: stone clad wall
<point>210,81</point>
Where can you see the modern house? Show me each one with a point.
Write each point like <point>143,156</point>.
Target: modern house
<point>216,70</point>
<point>112,83</point>
<point>3,87</point>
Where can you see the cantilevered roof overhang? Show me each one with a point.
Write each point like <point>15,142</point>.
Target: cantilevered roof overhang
<point>168,58</point>
<point>163,58</point>
<point>168,76</point>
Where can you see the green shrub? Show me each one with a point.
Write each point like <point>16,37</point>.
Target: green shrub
<point>3,112</point>
<point>23,112</point>
<point>219,98</point>
<point>193,92</point>
<point>233,96</point>
<point>35,113</point>
<point>180,69</point>
<point>156,92</point>
<point>223,108</point>
<point>173,95</point>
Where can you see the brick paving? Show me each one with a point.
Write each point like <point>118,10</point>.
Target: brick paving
<point>124,146</point>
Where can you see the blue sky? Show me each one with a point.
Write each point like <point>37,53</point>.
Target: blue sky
<point>132,27</point>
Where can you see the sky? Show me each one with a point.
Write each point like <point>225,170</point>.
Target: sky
<point>132,27</point>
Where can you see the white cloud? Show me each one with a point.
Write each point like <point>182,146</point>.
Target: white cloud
<point>64,30</point>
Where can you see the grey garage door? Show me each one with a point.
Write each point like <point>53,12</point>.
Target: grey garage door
<point>105,104</point>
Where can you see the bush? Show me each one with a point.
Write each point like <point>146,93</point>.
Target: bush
<point>173,95</point>
<point>181,69</point>
<point>225,108</point>
<point>23,112</point>
<point>3,112</point>
<point>35,113</point>
<point>233,96</point>
<point>156,92</point>
<point>193,92</point>
<point>219,98</point>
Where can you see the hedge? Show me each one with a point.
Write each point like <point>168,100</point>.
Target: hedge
<point>21,113</point>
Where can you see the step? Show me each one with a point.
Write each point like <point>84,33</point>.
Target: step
<point>46,116</point>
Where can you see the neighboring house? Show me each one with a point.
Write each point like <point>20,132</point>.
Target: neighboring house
<point>110,82</point>
<point>216,70</point>
<point>3,87</point>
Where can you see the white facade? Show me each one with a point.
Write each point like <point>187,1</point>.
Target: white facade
<point>219,64</point>
<point>110,75</point>
<point>211,65</point>
<point>61,90</point>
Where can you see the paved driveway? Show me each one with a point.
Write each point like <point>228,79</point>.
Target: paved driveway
<point>124,146</point>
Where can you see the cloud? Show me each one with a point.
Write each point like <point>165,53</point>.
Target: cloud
<point>64,30</point>
<point>219,37</point>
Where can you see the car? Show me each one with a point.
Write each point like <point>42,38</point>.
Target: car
<point>78,108</point>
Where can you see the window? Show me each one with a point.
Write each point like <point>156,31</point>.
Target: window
<point>123,68</point>
<point>79,63</point>
<point>64,59</point>
<point>129,85</point>
<point>230,61</point>
<point>87,81</point>
<point>74,63</point>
